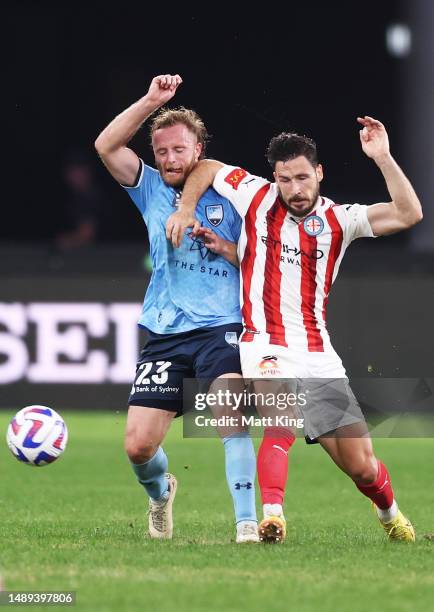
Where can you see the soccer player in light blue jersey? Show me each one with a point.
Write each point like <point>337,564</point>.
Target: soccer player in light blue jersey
<point>191,309</point>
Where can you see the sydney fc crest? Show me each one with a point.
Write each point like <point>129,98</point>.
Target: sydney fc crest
<point>232,339</point>
<point>214,214</point>
<point>313,225</point>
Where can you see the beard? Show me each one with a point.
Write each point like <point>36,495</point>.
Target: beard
<point>176,179</point>
<point>298,206</point>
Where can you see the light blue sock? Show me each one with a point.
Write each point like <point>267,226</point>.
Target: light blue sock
<point>240,474</point>
<point>152,474</point>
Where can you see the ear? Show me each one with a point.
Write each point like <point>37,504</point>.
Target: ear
<point>274,176</point>
<point>319,173</point>
<point>198,150</point>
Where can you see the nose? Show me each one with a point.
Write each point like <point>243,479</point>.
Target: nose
<point>171,157</point>
<point>295,188</point>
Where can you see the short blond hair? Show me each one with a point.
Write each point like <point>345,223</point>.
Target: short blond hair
<point>167,117</point>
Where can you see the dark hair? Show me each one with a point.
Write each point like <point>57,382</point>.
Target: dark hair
<point>167,117</point>
<point>288,146</point>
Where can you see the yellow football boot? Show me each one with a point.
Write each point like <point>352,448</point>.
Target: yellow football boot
<point>399,529</point>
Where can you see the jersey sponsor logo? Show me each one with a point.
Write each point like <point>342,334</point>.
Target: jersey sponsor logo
<point>198,245</point>
<point>313,225</point>
<point>152,377</point>
<point>235,177</point>
<point>232,338</point>
<point>214,213</point>
<point>286,249</point>
<point>269,366</point>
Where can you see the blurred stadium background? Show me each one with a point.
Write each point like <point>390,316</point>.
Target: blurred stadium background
<point>74,266</point>
<point>73,250</point>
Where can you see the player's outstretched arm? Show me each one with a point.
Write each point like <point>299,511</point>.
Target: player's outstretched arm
<point>111,144</point>
<point>405,209</point>
<point>198,181</point>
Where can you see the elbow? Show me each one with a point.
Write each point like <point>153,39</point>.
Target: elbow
<point>416,217</point>
<point>100,146</point>
<point>103,144</point>
<point>412,216</point>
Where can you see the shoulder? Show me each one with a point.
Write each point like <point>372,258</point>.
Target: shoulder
<point>236,177</point>
<point>329,207</point>
<point>353,219</point>
<point>146,175</point>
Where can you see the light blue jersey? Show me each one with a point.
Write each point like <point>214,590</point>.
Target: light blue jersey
<point>190,287</point>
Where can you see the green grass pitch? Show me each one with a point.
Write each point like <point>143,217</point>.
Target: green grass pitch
<point>80,524</point>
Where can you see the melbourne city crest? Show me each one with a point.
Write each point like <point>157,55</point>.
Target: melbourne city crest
<point>313,225</point>
<point>214,214</point>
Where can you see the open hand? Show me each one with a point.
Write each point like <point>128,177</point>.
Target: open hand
<point>374,138</point>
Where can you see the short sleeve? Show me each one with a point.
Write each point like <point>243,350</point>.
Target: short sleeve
<point>148,180</point>
<point>355,221</point>
<point>238,186</point>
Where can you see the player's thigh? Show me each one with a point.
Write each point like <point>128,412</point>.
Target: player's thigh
<point>228,403</point>
<point>272,384</point>
<point>146,427</point>
<point>163,365</point>
<point>218,370</point>
<point>330,409</point>
<point>217,352</point>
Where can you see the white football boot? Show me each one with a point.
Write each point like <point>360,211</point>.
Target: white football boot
<point>247,531</point>
<point>160,513</point>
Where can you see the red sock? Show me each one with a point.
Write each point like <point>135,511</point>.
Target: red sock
<point>272,463</point>
<point>380,491</point>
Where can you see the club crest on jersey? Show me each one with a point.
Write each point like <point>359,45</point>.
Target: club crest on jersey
<point>313,225</point>
<point>232,339</point>
<point>214,214</point>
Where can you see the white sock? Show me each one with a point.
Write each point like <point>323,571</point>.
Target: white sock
<point>388,515</point>
<point>272,510</point>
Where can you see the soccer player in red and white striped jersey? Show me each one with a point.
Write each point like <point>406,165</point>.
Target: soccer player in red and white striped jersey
<point>291,246</point>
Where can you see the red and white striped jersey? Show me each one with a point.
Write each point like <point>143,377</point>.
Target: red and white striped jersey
<point>288,264</point>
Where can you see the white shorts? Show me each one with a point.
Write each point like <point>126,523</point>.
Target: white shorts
<point>324,398</point>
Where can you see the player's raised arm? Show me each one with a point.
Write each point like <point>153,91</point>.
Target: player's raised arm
<point>111,145</point>
<point>405,209</point>
<point>198,181</point>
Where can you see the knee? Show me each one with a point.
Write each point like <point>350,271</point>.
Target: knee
<point>140,451</point>
<point>363,470</point>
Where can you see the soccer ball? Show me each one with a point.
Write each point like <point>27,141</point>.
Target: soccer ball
<point>37,435</point>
